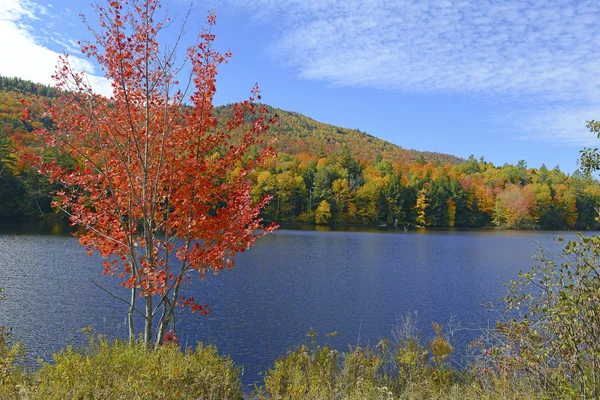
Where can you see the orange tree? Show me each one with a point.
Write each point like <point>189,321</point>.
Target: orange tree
<point>162,190</point>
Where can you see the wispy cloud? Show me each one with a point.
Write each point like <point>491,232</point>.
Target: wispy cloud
<point>545,50</point>
<point>562,124</point>
<point>24,45</point>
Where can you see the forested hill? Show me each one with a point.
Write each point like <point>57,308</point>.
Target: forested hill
<point>329,175</point>
<point>297,134</point>
<point>22,86</point>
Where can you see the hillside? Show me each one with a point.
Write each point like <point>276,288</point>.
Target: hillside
<point>297,133</point>
<point>330,175</point>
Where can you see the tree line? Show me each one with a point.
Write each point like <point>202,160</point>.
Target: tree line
<point>334,183</point>
<point>339,189</point>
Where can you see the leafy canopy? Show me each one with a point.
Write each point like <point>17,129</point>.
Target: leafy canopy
<point>161,191</point>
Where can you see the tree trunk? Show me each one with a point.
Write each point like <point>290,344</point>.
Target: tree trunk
<point>130,314</point>
<point>167,317</point>
<point>149,315</point>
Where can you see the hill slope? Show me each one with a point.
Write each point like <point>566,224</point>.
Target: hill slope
<point>387,187</point>
<point>297,133</point>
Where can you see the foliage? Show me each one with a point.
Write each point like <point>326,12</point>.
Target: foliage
<point>390,370</point>
<point>12,375</point>
<point>125,370</point>
<point>451,212</point>
<point>25,86</point>
<point>298,134</point>
<point>552,340</point>
<point>363,182</point>
<point>161,192</point>
<point>323,212</point>
<point>427,195</point>
<point>513,208</point>
<point>23,192</point>
<point>7,157</point>
<point>590,158</point>
<point>421,207</point>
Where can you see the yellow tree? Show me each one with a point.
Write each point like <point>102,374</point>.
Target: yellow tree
<point>542,199</point>
<point>421,206</point>
<point>341,193</point>
<point>451,212</point>
<point>565,200</point>
<point>323,212</point>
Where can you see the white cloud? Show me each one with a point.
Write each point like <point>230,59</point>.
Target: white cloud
<point>562,124</point>
<point>25,56</point>
<point>536,47</point>
<point>545,50</point>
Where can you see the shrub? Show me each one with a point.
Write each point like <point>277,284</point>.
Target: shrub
<point>389,370</point>
<point>552,342</point>
<point>12,376</point>
<point>120,370</point>
<point>307,372</point>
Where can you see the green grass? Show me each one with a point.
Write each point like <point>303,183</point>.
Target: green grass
<point>120,370</point>
<point>405,368</point>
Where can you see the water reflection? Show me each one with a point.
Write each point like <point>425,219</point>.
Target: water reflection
<point>59,227</point>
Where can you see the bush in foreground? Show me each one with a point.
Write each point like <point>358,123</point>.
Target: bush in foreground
<point>386,371</point>
<point>406,368</point>
<point>12,377</point>
<point>120,370</point>
<point>553,339</point>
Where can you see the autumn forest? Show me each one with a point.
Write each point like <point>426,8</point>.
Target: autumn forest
<point>324,174</point>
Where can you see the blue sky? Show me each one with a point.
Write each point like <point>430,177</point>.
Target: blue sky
<point>507,80</point>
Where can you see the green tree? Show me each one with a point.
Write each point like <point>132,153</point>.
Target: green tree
<point>397,196</point>
<point>437,208</point>
<point>459,197</point>
<point>471,166</point>
<point>322,189</point>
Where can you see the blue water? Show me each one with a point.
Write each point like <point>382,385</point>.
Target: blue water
<point>355,283</point>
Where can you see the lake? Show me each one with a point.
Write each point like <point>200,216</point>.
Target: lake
<point>355,283</point>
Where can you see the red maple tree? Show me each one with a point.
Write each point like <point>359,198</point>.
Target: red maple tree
<point>161,190</point>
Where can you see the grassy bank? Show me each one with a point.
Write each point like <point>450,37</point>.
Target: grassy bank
<point>120,370</point>
<point>405,366</point>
